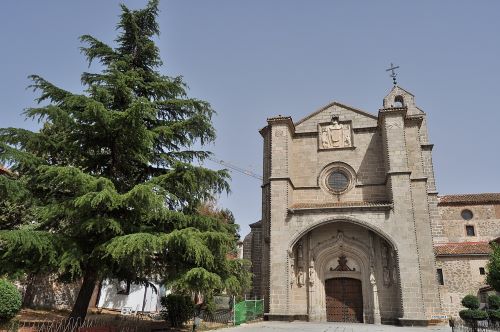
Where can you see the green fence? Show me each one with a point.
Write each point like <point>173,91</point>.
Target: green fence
<point>248,310</point>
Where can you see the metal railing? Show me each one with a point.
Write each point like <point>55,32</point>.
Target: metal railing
<point>477,326</point>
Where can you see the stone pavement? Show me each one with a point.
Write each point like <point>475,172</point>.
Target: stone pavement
<point>329,327</point>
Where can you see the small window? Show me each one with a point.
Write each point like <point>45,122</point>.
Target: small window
<point>467,214</point>
<point>440,277</point>
<point>482,271</point>
<point>338,181</point>
<point>470,230</point>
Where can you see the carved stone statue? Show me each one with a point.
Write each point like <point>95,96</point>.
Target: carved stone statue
<point>325,139</point>
<point>300,278</point>
<point>311,273</point>
<point>387,277</point>
<point>373,281</point>
<point>347,135</point>
<point>394,269</point>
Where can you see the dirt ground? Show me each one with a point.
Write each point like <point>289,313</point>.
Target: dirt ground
<point>38,316</point>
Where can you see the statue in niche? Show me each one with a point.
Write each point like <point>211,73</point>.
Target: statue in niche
<point>300,278</point>
<point>373,282</point>
<point>335,133</point>
<point>300,252</point>
<point>292,273</point>
<point>385,257</point>
<point>387,277</point>
<point>394,270</point>
<point>311,273</point>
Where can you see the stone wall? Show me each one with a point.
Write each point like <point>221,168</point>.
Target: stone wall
<point>486,222</point>
<point>461,277</point>
<point>45,292</point>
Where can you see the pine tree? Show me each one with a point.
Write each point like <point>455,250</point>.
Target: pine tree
<point>112,176</point>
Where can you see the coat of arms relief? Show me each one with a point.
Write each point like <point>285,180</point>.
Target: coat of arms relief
<point>334,135</point>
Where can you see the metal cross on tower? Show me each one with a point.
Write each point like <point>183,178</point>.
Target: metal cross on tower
<point>393,73</point>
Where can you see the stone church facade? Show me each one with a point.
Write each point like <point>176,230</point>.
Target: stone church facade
<point>352,225</point>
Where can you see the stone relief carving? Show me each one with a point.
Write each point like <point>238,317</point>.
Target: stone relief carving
<point>338,239</point>
<point>334,135</point>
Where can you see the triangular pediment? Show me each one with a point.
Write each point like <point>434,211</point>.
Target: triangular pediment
<point>359,118</point>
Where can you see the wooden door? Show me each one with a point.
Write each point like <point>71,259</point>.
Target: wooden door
<point>344,300</point>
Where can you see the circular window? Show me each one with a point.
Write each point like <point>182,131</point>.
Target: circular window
<point>467,214</point>
<point>338,181</point>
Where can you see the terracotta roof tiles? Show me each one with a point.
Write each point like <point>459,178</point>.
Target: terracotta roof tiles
<point>470,199</point>
<point>462,248</point>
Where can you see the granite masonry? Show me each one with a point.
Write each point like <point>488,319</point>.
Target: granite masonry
<point>352,225</point>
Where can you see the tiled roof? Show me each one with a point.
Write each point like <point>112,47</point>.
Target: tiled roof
<point>462,248</point>
<point>470,199</point>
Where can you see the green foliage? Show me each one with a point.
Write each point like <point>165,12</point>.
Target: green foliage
<point>109,179</point>
<point>493,277</point>
<point>473,314</point>
<point>470,302</point>
<point>494,302</point>
<point>178,309</point>
<point>494,315</point>
<point>10,300</point>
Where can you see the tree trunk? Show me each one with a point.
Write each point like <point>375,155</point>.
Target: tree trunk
<point>28,291</point>
<point>84,295</point>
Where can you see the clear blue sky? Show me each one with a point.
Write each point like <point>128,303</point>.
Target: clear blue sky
<point>257,58</point>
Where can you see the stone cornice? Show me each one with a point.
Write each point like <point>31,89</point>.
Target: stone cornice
<point>345,206</point>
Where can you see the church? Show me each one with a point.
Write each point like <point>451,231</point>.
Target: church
<point>353,228</point>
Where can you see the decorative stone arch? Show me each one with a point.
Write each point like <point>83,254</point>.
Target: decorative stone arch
<point>363,253</point>
<point>309,227</point>
<point>324,255</point>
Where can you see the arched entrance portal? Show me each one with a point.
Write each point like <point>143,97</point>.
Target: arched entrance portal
<point>345,272</point>
<point>344,300</point>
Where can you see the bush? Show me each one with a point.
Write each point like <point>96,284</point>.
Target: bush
<point>494,302</point>
<point>470,302</point>
<point>473,314</point>
<point>10,300</point>
<point>178,309</point>
<point>494,315</point>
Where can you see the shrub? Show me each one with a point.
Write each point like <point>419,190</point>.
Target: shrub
<point>473,314</point>
<point>10,300</point>
<point>494,302</point>
<point>178,309</point>
<point>494,315</point>
<point>470,302</point>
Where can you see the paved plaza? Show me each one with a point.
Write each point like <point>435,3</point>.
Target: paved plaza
<point>330,327</point>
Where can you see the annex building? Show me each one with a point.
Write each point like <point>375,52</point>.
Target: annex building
<point>352,225</point>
